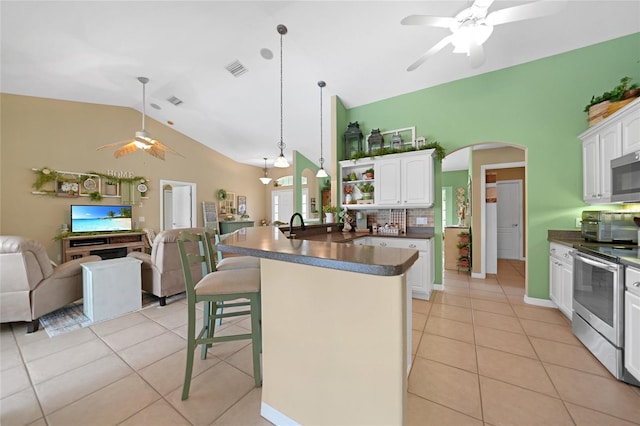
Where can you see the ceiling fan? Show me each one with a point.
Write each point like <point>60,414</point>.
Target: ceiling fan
<point>142,139</point>
<point>472,26</point>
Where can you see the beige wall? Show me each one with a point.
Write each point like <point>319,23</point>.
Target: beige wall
<point>481,157</point>
<point>61,135</point>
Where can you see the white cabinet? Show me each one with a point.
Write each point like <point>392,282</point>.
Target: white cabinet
<point>405,179</point>
<point>420,275</point>
<point>561,277</point>
<point>632,324</point>
<point>619,134</point>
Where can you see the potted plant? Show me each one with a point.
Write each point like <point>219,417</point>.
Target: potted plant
<point>110,187</point>
<point>329,213</point>
<point>368,174</point>
<point>367,190</point>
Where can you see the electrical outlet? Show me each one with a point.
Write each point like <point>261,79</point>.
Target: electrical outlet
<point>421,221</point>
<point>578,222</point>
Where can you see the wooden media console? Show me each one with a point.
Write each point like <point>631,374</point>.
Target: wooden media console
<point>107,246</point>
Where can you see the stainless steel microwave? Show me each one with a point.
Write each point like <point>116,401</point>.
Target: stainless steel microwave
<point>625,178</point>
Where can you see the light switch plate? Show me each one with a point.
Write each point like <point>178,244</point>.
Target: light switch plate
<point>578,222</point>
<point>421,221</point>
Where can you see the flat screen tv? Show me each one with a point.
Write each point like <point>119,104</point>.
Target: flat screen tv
<point>101,218</point>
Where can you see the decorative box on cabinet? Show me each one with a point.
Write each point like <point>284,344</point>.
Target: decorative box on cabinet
<point>617,135</point>
<point>227,226</point>
<point>561,277</point>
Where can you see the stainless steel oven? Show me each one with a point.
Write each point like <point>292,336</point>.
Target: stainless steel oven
<point>598,304</point>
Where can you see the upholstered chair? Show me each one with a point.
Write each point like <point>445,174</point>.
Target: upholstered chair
<point>30,285</point>
<point>161,270</point>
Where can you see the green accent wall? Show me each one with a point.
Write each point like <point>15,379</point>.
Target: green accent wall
<point>539,106</point>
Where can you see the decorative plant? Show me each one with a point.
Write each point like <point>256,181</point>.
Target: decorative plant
<point>365,187</point>
<point>369,173</point>
<point>95,196</point>
<point>348,189</point>
<point>617,94</point>
<point>329,209</point>
<point>440,152</point>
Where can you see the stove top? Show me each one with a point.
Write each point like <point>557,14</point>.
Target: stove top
<point>610,251</point>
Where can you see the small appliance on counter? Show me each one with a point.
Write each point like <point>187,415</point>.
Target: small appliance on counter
<point>610,226</point>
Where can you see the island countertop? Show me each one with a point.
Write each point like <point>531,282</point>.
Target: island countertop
<point>270,243</point>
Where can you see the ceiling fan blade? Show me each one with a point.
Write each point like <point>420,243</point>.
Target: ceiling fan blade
<point>156,152</point>
<point>435,49</point>
<point>162,147</point>
<point>127,149</point>
<point>434,21</point>
<point>526,11</point>
<point>479,8</point>
<point>476,55</point>
<point>111,145</point>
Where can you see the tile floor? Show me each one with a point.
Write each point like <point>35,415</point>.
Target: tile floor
<point>481,356</point>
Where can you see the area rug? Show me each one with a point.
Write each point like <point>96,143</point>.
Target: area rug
<point>72,317</point>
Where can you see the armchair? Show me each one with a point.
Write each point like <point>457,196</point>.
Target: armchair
<point>162,273</point>
<point>30,286</point>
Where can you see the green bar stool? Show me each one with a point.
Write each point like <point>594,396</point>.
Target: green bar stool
<point>227,263</point>
<point>216,289</point>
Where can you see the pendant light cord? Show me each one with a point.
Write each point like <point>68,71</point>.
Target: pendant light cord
<point>281,96</point>
<point>321,84</point>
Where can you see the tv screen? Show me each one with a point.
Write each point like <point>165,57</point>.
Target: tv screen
<point>101,218</point>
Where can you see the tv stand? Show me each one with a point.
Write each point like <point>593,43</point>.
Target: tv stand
<point>107,245</point>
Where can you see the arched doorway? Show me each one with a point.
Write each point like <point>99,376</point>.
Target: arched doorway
<point>508,161</point>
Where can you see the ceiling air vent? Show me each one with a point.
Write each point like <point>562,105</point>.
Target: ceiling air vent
<point>175,101</point>
<point>236,68</point>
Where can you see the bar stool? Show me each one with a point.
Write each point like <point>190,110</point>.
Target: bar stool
<point>224,264</point>
<point>216,289</point>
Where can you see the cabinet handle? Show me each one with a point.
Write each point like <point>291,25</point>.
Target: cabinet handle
<point>636,284</point>
<point>412,246</point>
<point>383,244</point>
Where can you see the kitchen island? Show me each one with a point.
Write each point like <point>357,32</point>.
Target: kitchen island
<point>334,328</point>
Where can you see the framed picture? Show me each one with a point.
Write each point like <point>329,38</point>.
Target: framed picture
<point>67,189</point>
<point>242,204</point>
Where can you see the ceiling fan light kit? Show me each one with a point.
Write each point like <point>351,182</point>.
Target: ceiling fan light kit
<point>142,140</point>
<point>281,161</point>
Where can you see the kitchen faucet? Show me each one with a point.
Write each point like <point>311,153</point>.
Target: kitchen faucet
<point>302,227</point>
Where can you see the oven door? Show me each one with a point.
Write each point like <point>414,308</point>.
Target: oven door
<point>598,290</point>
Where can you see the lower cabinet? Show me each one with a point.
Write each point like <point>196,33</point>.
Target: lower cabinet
<point>226,227</point>
<point>561,277</point>
<point>632,325</point>
<point>420,275</point>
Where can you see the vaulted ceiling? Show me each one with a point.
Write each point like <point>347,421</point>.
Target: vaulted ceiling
<point>92,51</point>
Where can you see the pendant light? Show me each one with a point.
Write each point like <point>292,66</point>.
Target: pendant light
<point>322,172</point>
<point>281,161</point>
<point>265,179</point>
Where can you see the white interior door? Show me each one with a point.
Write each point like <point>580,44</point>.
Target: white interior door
<point>282,205</point>
<point>509,219</point>
<point>182,207</point>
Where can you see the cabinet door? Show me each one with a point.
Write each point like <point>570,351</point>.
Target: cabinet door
<point>387,189</point>
<point>555,279</point>
<point>632,334</point>
<point>610,148</point>
<point>566,292</point>
<point>417,178</point>
<point>631,132</point>
<point>590,169</point>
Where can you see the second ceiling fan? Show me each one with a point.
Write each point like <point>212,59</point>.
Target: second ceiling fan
<point>472,26</point>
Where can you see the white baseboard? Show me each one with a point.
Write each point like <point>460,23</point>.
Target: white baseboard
<point>480,276</point>
<point>539,302</point>
<point>438,287</point>
<point>275,416</point>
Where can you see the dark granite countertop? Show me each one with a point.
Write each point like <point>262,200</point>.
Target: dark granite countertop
<point>567,238</point>
<point>325,251</point>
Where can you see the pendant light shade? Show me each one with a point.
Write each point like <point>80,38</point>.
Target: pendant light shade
<point>322,172</point>
<point>281,161</point>
<point>265,179</point>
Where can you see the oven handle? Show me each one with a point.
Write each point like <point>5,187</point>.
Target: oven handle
<point>594,263</point>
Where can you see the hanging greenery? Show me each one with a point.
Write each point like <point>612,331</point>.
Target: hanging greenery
<point>435,145</point>
<point>46,175</point>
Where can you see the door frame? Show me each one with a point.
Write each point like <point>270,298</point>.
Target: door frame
<point>173,183</point>
<point>483,210</point>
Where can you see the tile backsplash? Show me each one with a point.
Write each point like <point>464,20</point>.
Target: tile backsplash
<point>403,217</point>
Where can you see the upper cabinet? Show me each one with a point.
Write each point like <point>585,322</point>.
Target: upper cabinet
<point>400,180</point>
<point>617,135</point>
